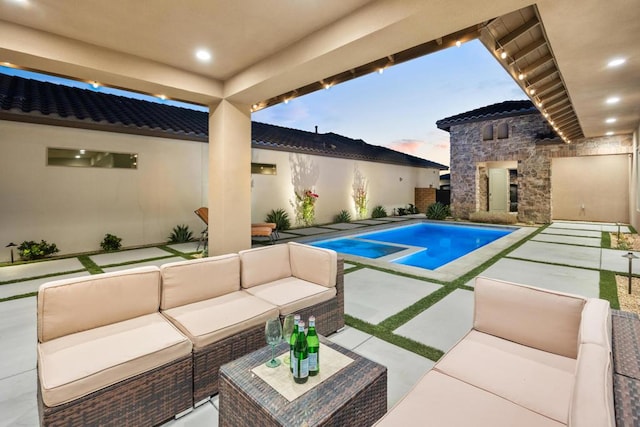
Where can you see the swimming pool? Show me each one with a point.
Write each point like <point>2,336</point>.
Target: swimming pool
<point>424,245</point>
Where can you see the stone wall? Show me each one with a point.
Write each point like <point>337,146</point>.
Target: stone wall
<point>468,180</point>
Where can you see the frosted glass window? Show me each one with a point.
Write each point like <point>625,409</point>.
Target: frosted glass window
<point>91,159</point>
<point>263,169</point>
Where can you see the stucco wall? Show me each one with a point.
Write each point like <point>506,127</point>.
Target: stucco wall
<point>76,207</point>
<point>533,159</point>
<point>332,179</point>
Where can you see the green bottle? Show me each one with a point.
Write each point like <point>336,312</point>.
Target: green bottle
<point>292,340</point>
<point>313,348</point>
<point>301,357</point>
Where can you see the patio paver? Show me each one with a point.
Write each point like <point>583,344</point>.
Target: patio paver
<point>368,222</point>
<point>612,260</point>
<point>345,225</point>
<point>42,268</point>
<point>29,286</point>
<point>373,295</point>
<point>349,337</point>
<point>18,404</point>
<point>18,332</point>
<point>186,248</point>
<point>311,231</point>
<point>571,232</point>
<point>577,256</point>
<point>120,257</point>
<point>205,415</point>
<point>444,323</point>
<point>569,240</point>
<point>554,277</point>
<point>157,263</point>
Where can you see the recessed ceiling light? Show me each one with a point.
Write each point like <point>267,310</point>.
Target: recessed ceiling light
<point>616,62</point>
<point>611,120</point>
<point>503,55</point>
<point>458,43</point>
<point>82,151</point>
<point>203,55</point>
<point>613,100</point>
<point>609,133</point>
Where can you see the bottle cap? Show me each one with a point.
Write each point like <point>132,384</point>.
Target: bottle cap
<point>301,324</point>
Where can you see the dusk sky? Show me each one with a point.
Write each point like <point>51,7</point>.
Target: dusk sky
<point>397,109</point>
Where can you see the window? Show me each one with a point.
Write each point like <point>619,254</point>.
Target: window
<point>503,130</point>
<point>263,169</point>
<point>91,159</point>
<point>487,133</point>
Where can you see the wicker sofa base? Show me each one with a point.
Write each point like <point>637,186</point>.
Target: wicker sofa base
<point>148,399</point>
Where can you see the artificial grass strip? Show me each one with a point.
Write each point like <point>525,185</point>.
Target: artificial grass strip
<point>605,240</point>
<point>30,294</point>
<point>394,322</point>
<point>43,276</point>
<point>397,340</point>
<point>175,252</point>
<point>609,288</point>
<point>91,266</point>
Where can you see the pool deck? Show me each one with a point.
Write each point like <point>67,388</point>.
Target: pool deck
<point>371,295</point>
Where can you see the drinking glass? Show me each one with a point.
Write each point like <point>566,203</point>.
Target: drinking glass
<point>287,331</point>
<point>273,332</point>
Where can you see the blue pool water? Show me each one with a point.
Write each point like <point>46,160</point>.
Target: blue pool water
<point>442,243</point>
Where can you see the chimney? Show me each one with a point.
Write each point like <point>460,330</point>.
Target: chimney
<point>316,128</point>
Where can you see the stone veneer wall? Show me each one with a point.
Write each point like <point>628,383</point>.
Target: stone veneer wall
<point>468,189</point>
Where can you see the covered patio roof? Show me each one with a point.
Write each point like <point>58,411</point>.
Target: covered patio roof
<point>264,52</point>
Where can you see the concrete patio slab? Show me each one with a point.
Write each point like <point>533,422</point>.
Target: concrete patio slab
<point>349,337</point>
<point>205,415</point>
<point>120,257</point>
<point>396,218</point>
<point>612,260</point>
<point>571,232</point>
<point>41,268</point>
<point>18,404</point>
<point>348,266</point>
<point>283,235</point>
<point>368,222</point>
<point>613,228</point>
<point>576,225</point>
<point>569,240</point>
<point>29,286</point>
<point>186,248</point>
<point>311,231</point>
<point>404,368</point>
<point>372,295</point>
<point>345,225</point>
<point>18,332</point>
<point>577,256</point>
<point>554,277</point>
<point>157,263</point>
<point>444,323</point>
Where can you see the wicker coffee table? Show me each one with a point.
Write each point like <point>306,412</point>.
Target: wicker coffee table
<point>354,396</point>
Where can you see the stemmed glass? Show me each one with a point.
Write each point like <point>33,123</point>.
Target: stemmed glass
<point>287,331</point>
<point>273,332</point>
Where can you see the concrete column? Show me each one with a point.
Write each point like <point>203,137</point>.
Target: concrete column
<point>229,178</point>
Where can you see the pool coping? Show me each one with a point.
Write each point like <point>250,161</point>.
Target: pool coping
<point>446,273</point>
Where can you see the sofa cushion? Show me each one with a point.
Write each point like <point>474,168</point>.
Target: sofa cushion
<point>292,294</point>
<point>440,400</point>
<point>186,282</point>
<point>316,265</point>
<point>263,265</point>
<point>214,319</point>
<point>79,304</point>
<point>595,326</point>
<point>538,318</point>
<point>592,401</point>
<point>78,364</point>
<point>537,380</point>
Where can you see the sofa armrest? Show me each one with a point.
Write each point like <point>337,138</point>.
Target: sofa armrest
<point>538,318</point>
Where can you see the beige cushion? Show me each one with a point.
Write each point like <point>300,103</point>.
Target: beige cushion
<point>185,282</point>
<point>292,294</point>
<point>212,320</point>
<point>316,265</point>
<point>442,401</point>
<point>539,381</point>
<point>78,364</point>
<point>592,402</point>
<point>595,326</point>
<point>538,318</point>
<point>74,305</point>
<point>263,265</point>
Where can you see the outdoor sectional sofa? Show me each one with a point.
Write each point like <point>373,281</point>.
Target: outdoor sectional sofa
<point>140,346</point>
<point>533,358</point>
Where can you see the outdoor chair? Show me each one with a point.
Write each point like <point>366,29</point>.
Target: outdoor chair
<point>203,214</point>
<point>267,229</point>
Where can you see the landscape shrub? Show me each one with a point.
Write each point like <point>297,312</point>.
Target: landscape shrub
<point>281,219</point>
<point>180,234</point>
<point>438,211</point>
<point>30,250</point>
<point>378,212</point>
<point>493,217</point>
<point>343,216</point>
<point>111,243</point>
